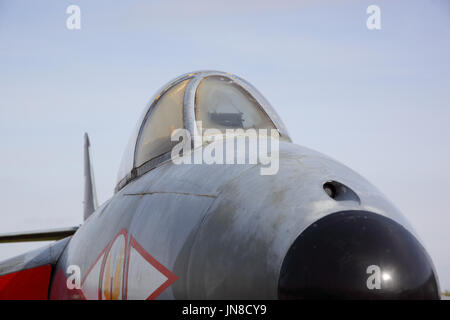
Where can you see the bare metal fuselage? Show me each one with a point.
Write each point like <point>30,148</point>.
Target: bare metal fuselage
<point>223,230</point>
<point>312,229</point>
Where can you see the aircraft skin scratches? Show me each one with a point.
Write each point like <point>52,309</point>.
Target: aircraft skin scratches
<point>316,229</point>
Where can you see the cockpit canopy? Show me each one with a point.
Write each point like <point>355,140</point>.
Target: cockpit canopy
<point>219,100</point>
<point>221,103</point>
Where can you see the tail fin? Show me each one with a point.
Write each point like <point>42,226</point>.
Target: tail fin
<point>90,195</point>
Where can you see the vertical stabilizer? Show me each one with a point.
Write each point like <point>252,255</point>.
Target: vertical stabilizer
<point>90,195</point>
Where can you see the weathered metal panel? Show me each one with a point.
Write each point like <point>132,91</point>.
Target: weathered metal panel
<point>224,229</point>
<point>241,244</point>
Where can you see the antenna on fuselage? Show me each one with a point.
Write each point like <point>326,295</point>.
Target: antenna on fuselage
<point>90,195</point>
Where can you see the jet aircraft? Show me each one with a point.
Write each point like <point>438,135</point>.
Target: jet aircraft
<point>314,230</point>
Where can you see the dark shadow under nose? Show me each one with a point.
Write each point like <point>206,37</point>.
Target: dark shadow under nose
<point>357,255</point>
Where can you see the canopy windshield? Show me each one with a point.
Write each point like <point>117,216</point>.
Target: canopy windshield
<point>221,103</point>
<point>165,117</point>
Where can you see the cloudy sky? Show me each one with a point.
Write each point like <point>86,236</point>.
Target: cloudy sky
<point>378,101</point>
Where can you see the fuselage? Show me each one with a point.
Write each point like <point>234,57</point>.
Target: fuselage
<point>221,231</point>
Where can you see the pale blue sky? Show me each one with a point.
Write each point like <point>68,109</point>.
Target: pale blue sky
<point>378,101</point>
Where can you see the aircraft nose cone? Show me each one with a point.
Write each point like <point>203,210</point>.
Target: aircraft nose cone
<point>357,255</point>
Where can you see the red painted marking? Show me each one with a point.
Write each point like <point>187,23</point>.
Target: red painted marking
<point>59,290</point>
<point>30,284</point>
<point>102,268</point>
<point>103,256</point>
<point>171,277</point>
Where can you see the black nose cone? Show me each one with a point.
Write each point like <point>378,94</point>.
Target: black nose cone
<point>357,255</point>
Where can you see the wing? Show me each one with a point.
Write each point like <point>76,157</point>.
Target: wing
<point>38,235</point>
<point>27,277</point>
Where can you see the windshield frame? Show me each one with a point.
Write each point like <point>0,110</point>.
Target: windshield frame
<point>190,117</point>
<point>130,171</point>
